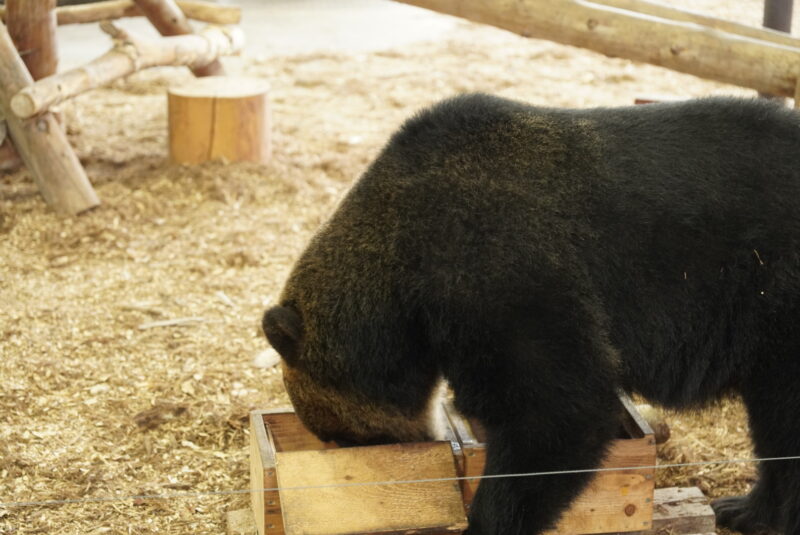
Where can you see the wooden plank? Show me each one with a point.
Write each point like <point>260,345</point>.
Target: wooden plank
<point>683,510</point>
<point>616,501</point>
<point>613,501</point>
<point>266,504</point>
<point>261,457</point>
<point>640,426</point>
<point>289,434</point>
<point>430,507</point>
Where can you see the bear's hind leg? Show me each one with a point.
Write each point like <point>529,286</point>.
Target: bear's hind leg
<point>749,514</point>
<point>773,405</point>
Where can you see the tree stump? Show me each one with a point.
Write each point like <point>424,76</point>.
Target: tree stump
<point>219,117</point>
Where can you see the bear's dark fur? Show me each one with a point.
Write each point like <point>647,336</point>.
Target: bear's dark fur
<point>540,259</point>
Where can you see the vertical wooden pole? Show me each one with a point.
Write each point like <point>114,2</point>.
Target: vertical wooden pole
<point>777,16</point>
<point>168,19</point>
<point>41,141</point>
<point>32,25</point>
<point>797,94</point>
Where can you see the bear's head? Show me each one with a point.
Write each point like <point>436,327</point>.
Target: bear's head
<point>335,398</point>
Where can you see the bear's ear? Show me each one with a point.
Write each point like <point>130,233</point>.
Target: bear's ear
<point>284,330</point>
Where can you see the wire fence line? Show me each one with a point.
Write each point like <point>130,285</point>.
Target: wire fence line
<point>173,495</point>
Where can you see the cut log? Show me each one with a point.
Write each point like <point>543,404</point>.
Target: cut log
<point>41,142</point>
<point>682,46</point>
<point>116,9</point>
<point>129,54</point>
<point>32,25</point>
<point>219,117</point>
<point>169,20</point>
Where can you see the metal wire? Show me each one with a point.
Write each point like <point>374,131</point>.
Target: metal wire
<point>141,497</point>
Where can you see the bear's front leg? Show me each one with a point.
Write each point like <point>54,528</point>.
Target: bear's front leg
<point>529,504</point>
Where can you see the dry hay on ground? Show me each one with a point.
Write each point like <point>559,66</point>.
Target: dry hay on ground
<point>97,400</point>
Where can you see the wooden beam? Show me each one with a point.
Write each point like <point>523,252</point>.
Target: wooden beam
<point>169,20</point>
<point>655,9</point>
<point>129,54</point>
<point>32,25</point>
<point>116,9</point>
<point>41,142</point>
<point>681,46</point>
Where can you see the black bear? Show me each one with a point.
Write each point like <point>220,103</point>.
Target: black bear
<point>541,259</point>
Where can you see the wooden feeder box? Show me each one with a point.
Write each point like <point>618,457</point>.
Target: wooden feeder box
<point>321,494</point>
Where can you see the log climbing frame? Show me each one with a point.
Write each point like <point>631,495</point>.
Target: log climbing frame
<point>32,133</point>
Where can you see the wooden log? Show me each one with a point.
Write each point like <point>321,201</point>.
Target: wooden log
<point>129,54</point>
<point>797,95</point>
<point>169,20</point>
<point>681,46</point>
<point>117,9</point>
<point>646,7</point>
<point>32,25</point>
<point>41,142</point>
<point>219,117</point>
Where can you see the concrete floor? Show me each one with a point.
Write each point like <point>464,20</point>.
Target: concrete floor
<point>279,27</point>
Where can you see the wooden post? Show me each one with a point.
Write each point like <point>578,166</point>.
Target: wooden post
<point>777,16</point>
<point>32,25</point>
<point>219,117</point>
<point>41,142</point>
<point>169,20</point>
<point>797,95</point>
